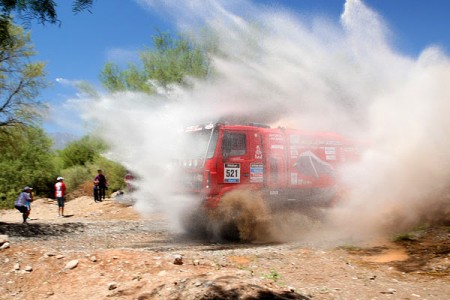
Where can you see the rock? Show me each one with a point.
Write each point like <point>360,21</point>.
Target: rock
<point>93,258</point>
<point>197,283</point>
<point>71,264</point>
<point>112,286</point>
<point>162,273</point>
<point>137,277</point>
<point>28,268</point>
<point>59,256</point>
<point>16,266</point>
<point>389,291</point>
<point>4,246</point>
<point>178,259</point>
<point>209,283</point>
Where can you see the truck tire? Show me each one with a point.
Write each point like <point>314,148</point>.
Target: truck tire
<point>242,215</point>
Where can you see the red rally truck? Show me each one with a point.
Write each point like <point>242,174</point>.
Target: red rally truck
<point>289,167</point>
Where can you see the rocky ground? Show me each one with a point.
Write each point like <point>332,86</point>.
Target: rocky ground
<point>107,251</point>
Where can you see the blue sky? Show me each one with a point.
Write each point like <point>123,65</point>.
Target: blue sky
<point>117,29</point>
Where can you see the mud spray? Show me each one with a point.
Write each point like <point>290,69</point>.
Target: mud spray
<point>300,72</point>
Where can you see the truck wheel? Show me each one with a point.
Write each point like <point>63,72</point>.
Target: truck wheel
<point>242,215</point>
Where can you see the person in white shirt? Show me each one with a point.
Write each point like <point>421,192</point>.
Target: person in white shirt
<point>60,192</point>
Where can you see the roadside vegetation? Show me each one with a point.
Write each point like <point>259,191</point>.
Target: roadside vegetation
<point>27,159</point>
<point>27,153</point>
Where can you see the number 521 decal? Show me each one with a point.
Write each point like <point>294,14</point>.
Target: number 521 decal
<point>232,173</point>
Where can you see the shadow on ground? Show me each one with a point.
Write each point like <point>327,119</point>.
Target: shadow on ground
<point>169,242</point>
<point>39,229</point>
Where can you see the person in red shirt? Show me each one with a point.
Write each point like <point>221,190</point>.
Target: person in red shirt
<point>60,192</point>
<point>128,178</point>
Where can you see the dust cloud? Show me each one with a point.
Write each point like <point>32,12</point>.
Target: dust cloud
<point>300,71</point>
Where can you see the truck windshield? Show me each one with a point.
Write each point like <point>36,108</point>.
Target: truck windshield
<point>201,144</point>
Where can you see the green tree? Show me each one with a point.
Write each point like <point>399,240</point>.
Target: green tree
<point>26,158</point>
<point>81,152</point>
<point>44,11</point>
<point>20,81</point>
<point>112,78</point>
<point>172,60</point>
<point>75,176</point>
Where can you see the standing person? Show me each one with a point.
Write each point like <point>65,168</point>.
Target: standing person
<point>128,179</point>
<point>100,179</point>
<point>21,202</point>
<point>60,192</point>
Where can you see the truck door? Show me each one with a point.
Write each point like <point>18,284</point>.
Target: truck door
<point>241,157</point>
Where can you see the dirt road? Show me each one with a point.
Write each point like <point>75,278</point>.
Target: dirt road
<point>107,251</point>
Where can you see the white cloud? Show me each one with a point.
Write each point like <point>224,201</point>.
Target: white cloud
<point>120,55</point>
<point>67,82</point>
<point>63,117</point>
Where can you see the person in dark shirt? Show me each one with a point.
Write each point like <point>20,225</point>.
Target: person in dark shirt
<point>100,186</point>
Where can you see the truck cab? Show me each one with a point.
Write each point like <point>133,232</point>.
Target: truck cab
<point>284,164</point>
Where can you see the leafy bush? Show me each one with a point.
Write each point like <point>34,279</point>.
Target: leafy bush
<point>75,176</point>
<point>26,159</point>
<point>81,152</point>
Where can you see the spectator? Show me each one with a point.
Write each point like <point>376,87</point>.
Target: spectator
<point>128,178</point>
<point>21,202</point>
<point>100,186</point>
<point>60,192</point>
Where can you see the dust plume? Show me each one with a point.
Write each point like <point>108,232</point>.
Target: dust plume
<point>304,72</point>
<point>241,215</point>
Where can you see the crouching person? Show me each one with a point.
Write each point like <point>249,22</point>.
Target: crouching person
<point>21,202</point>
